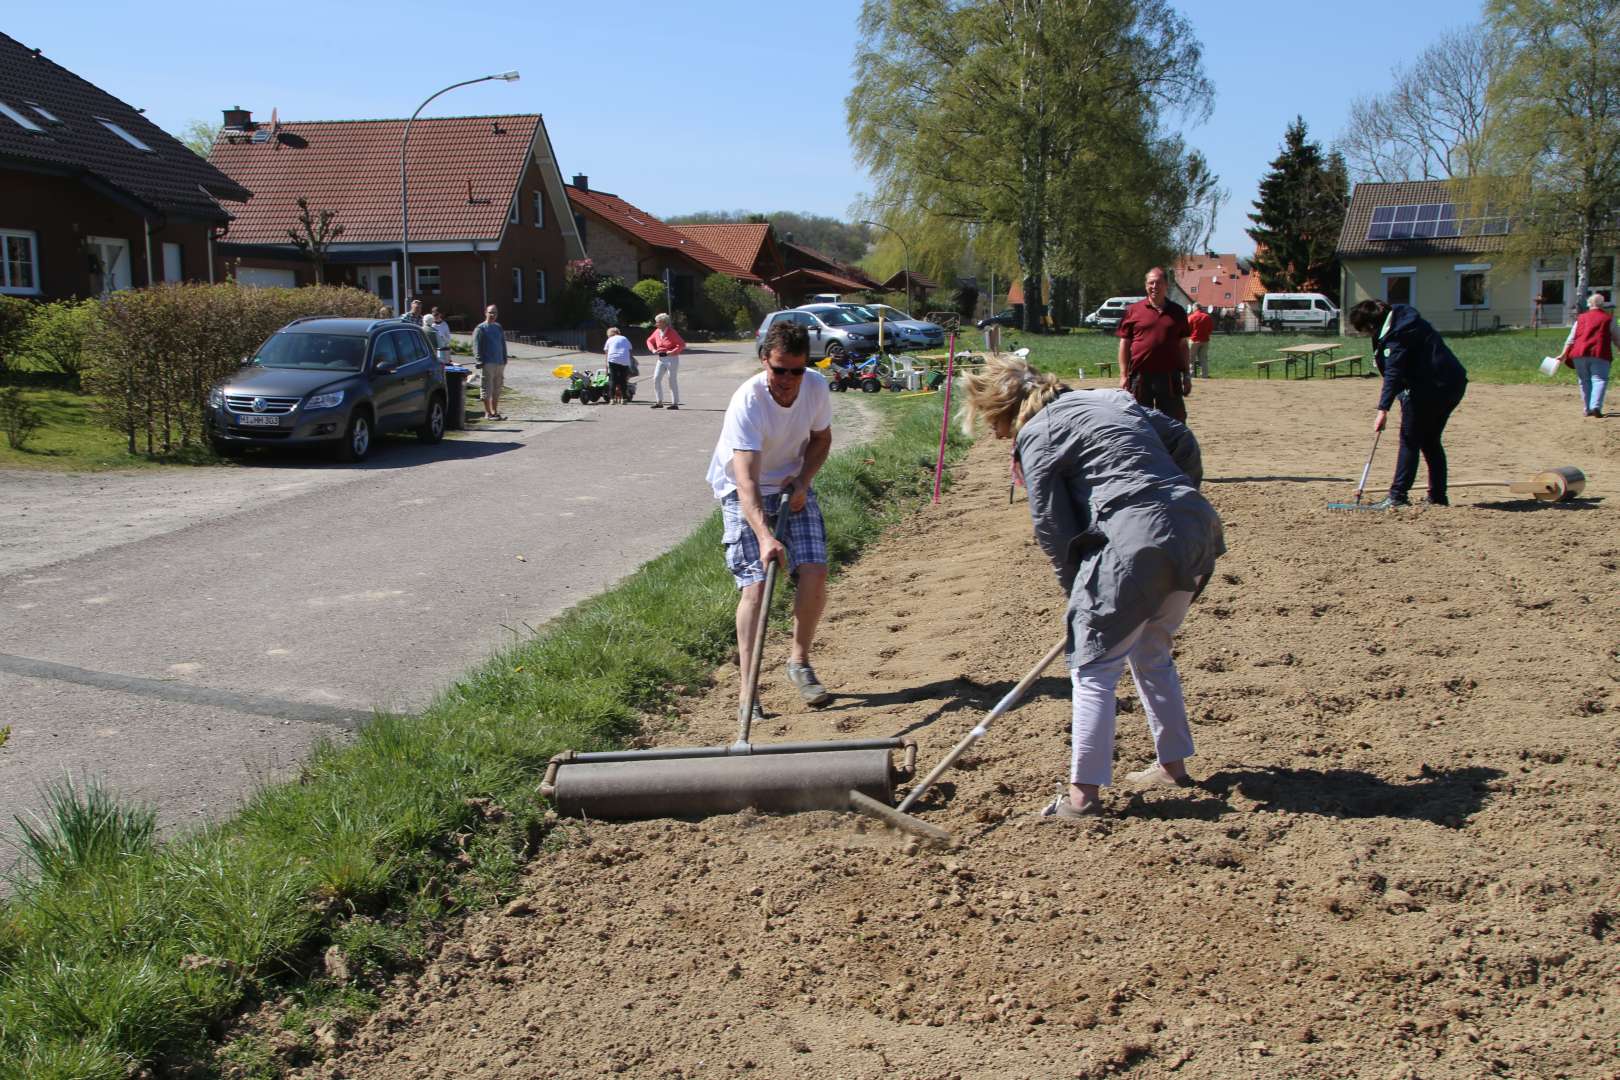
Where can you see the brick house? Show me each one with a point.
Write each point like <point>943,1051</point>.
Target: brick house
<point>93,196</point>
<point>484,196</point>
<point>1216,281</point>
<point>627,242</point>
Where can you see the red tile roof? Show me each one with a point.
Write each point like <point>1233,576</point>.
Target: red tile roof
<point>462,172</point>
<point>739,243</point>
<point>168,179</point>
<point>630,218</point>
<point>1216,280</point>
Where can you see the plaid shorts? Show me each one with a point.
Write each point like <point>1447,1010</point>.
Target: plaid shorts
<point>805,537</point>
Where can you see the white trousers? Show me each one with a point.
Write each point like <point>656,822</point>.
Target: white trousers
<point>671,366</point>
<point>1147,650</point>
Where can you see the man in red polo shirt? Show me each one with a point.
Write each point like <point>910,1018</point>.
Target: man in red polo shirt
<point>1153,361</point>
<point>1199,327</point>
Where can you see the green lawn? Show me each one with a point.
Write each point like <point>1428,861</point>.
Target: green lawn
<point>1508,356</point>
<point>72,439</point>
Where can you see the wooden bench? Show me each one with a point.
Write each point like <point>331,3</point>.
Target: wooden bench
<point>1287,362</point>
<point>1106,367</point>
<point>1332,366</point>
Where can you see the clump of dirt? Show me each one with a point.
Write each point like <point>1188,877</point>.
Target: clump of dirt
<point>1401,860</point>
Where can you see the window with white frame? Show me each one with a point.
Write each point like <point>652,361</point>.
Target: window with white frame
<point>19,262</point>
<point>427,280</point>
<point>539,286</point>
<point>512,215</point>
<point>1471,285</point>
<point>539,210</point>
<point>517,284</point>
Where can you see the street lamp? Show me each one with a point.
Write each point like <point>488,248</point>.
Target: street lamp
<point>905,247</point>
<point>404,214</point>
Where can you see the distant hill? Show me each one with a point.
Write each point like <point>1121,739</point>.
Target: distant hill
<point>840,239</point>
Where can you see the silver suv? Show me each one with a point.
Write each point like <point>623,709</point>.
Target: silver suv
<point>834,332</point>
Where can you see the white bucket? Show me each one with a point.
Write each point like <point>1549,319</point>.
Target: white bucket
<point>1549,365</point>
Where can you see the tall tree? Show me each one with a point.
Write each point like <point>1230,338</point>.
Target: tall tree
<point>1299,214</point>
<point>1032,119</point>
<point>1429,124</point>
<point>199,136</point>
<point>1553,157</point>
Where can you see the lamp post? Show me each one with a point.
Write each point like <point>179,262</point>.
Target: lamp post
<point>905,247</point>
<point>404,286</point>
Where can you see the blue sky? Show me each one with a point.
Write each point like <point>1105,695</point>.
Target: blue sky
<point>676,106</point>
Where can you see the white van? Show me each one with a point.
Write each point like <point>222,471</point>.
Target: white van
<point>1298,311</point>
<point>822,298</point>
<point>1111,311</point>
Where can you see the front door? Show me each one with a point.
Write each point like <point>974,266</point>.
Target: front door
<point>379,281</point>
<point>110,269</point>
<point>1550,286</point>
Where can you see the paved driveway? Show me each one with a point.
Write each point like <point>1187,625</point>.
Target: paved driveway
<point>185,633</point>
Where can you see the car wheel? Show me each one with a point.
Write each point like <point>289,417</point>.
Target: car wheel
<point>225,448</point>
<point>836,352</point>
<point>432,429</point>
<point>870,385</point>
<point>356,442</point>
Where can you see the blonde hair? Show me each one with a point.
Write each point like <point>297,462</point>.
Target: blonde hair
<point>613,331</point>
<point>1009,388</point>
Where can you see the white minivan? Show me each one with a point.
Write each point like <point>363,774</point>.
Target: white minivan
<point>1111,311</point>
<point>1298,311</point>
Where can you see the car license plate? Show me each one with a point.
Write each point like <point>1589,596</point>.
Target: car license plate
<point>259,421</point>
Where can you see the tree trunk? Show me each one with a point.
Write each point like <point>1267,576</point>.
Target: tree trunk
<point>1583,261</point>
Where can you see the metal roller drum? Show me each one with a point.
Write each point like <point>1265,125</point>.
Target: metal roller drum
<point>695,786</point>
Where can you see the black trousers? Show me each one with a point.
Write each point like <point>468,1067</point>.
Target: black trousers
<point>621,379</point>
<point>1159,390</point>
<point>1423,421</point>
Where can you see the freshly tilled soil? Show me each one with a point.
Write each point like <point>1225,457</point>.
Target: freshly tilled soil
<point>1400,861</point>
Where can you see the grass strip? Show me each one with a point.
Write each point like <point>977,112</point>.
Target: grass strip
<point>119,950</point>
<point>1504,356</point>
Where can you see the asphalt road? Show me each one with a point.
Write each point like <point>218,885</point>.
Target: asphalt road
<point>186,634</point>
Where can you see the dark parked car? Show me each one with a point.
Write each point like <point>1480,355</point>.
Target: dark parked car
<point>339,382</point>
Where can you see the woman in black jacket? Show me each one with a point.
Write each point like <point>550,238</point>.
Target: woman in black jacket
<point>1420,369</point>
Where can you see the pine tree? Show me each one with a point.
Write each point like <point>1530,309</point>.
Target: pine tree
<point>1298,216</point>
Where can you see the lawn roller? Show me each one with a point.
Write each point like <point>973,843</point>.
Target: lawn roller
<point>622,785</point>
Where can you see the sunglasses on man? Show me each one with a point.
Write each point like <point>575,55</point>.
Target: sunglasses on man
<point>787,372</point>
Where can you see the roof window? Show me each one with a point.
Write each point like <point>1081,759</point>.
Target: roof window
<point>48,116</point>
<point>126,136</point>
<point>21,120</point>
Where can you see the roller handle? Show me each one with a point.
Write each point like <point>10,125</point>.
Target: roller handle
<point>745,711</point>
<point>983,726</point>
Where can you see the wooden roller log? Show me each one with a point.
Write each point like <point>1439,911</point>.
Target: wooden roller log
<point>1554,485</point>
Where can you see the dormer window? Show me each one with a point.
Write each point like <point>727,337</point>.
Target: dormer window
<point>20,119</point>
<point>126,136</point>
<point>44,113</point>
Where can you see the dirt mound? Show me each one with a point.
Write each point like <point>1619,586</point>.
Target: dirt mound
<point>1401,861</point>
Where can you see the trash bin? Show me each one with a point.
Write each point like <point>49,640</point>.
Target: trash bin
<point>455,392</point>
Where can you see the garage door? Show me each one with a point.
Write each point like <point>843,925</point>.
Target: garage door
<point>266,279</point>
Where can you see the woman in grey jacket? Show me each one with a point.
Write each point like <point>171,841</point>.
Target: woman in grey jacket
<point>1113,493</point>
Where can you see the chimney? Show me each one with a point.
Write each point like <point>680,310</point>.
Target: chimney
<point>582,181</point>
<point>239,119</point>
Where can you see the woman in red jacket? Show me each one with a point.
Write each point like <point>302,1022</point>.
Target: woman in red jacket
<point>668,346</point>
<point>1590,344</point>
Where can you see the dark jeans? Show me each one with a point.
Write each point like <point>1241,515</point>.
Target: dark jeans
<point>1160,390</point>
<point>621,380</point>
<point>1422,423</point>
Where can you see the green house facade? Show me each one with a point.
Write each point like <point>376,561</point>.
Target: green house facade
<point>1413,243</point>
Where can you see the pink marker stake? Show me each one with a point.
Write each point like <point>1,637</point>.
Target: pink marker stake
<point>945,420</point>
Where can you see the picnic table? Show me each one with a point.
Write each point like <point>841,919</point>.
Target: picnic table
<point>1292,354</point>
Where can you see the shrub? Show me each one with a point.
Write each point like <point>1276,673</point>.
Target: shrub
<point>18,418</point>
<point>632,308</point>
<point>651,291</point>
<point>159,350</point>
<point>965,301</point>
<point>742,322</point>
<point>722,296</point>
<point>61,336</point>
<point>15,314</point>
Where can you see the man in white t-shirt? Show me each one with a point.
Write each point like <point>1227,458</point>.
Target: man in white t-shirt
<point>777,433</point>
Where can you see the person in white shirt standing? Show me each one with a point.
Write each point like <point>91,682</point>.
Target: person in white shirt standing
<point>441,334</point>
<point>619,360</point>
<point>776,436</point>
